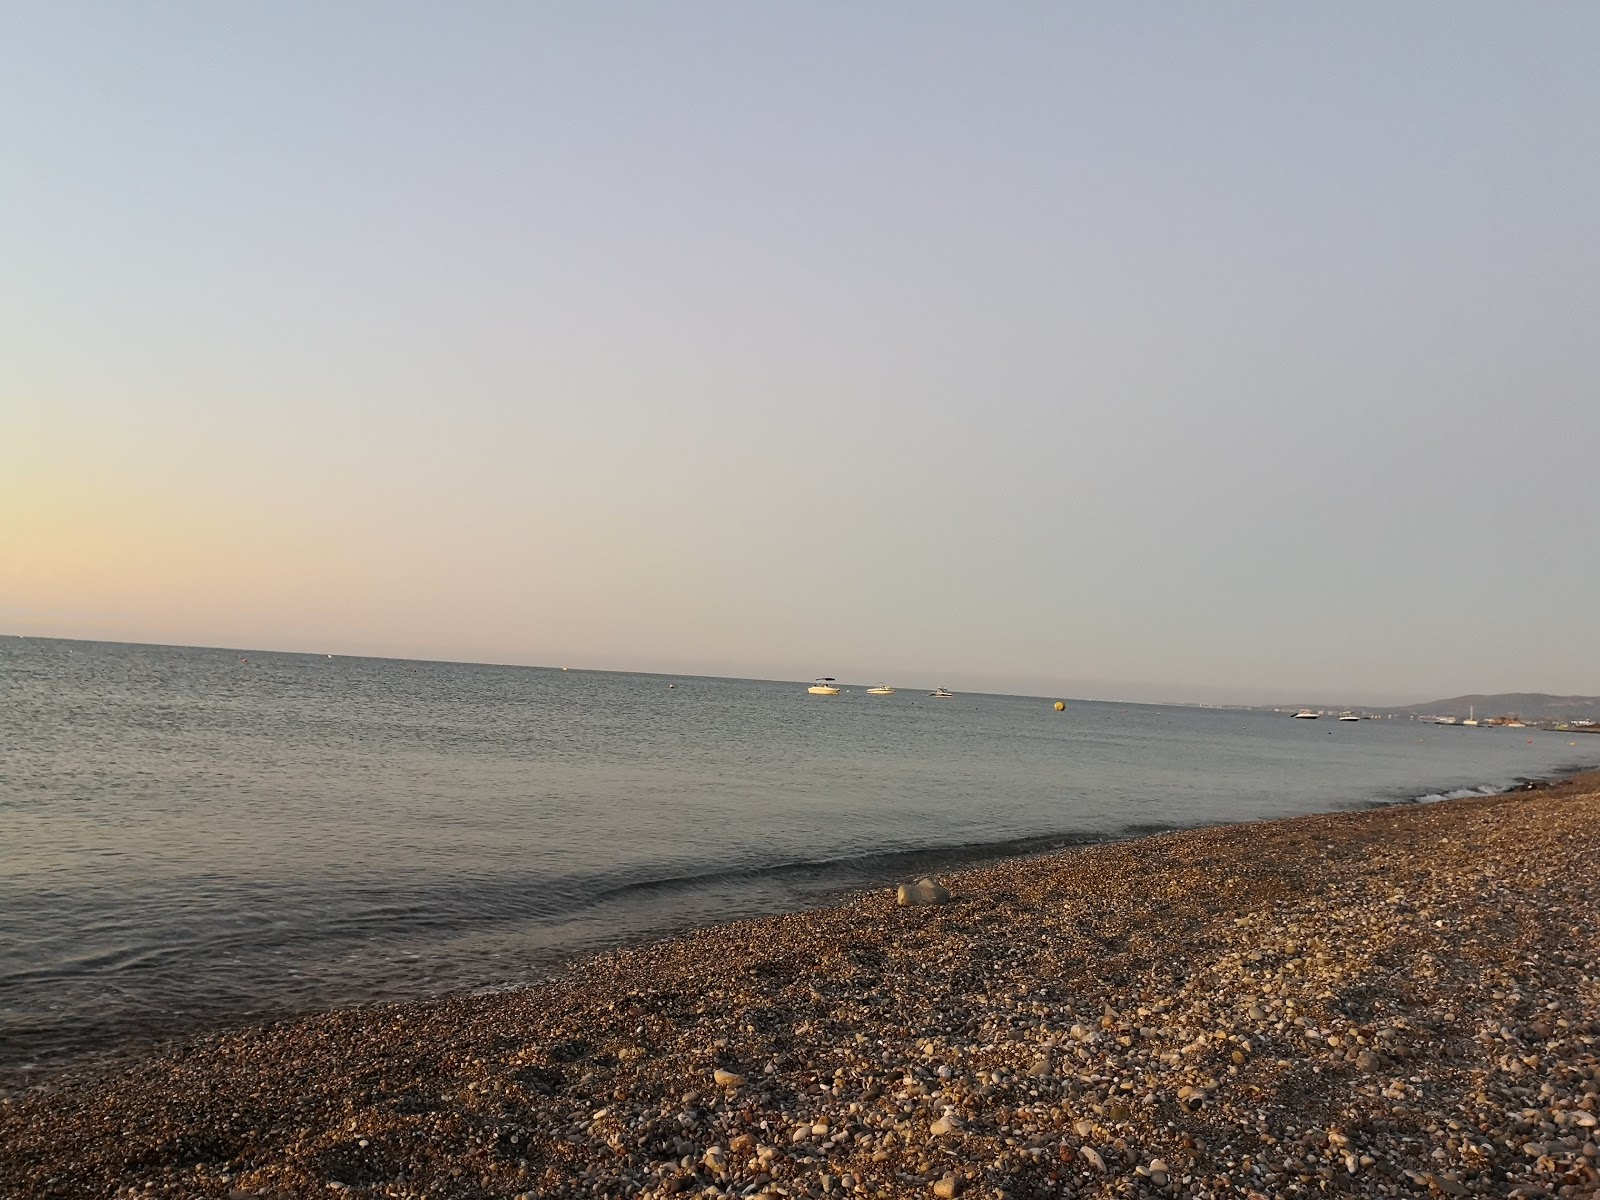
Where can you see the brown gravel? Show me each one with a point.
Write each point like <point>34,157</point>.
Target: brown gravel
<point>1403,1002</point>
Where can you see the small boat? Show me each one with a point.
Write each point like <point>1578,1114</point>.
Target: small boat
<point>1305,714</point>
<point>942,694</point>
<point>883,689</point>
<point>1444,721</point>
<point>1472,715</point>
<point>1348,717</point>
<point>824,687</point>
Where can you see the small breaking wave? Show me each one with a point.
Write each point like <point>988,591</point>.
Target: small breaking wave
<point>1461,793</point>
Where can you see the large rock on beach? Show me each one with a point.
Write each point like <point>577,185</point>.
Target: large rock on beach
<point>923,892</point>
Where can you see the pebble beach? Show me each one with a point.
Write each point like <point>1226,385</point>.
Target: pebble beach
<point>1402,1001</point>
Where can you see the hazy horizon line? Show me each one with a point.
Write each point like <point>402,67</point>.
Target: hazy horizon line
<point>1280,701</point>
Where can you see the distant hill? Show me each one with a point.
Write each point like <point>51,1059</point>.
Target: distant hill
<point>1530,706</point>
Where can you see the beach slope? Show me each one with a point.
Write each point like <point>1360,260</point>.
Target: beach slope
<point>1397,1002</point>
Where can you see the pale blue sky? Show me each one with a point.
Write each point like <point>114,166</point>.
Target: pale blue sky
<point>1208,351</point>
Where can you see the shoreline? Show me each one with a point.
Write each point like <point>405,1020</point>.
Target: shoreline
<point>851,876</point>
<point>1399,1000</point>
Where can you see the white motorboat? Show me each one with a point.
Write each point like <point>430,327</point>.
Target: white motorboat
<point>942,694</point>
<point>1444,721</point>
<point>824,687</point>
<point>883,689</point>
<point>1305,714</point>
<point>1348,717</point>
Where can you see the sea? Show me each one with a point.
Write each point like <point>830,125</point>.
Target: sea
<point>193,839</point>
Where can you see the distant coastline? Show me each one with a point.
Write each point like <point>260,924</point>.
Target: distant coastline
<point>1538,708</point>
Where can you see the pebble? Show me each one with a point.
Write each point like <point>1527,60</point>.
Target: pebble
<point>923,892</point>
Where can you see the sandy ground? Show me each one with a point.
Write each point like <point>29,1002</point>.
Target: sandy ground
<point>1401,1002</point>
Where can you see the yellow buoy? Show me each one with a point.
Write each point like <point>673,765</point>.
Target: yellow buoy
<point>1061,706</point>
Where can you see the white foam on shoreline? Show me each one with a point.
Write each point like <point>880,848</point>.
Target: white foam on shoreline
<point>1487,789</point>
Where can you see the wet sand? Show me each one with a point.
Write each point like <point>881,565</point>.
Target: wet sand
<point>1399,1002</point>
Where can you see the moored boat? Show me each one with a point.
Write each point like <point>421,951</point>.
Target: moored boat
<point>824,687</point>
<point>942,694</point>
<point>883,689</point>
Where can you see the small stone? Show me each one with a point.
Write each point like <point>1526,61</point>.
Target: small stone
<point>947,1187</point>
<point>945,1125</point>
<point>923,892</point>
<point>1092,1157</point>
<point>727,1079</point>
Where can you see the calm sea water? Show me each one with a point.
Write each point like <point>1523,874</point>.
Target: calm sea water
<point>193,838</point>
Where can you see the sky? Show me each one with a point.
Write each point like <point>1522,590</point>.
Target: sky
<point>1227,352</point>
